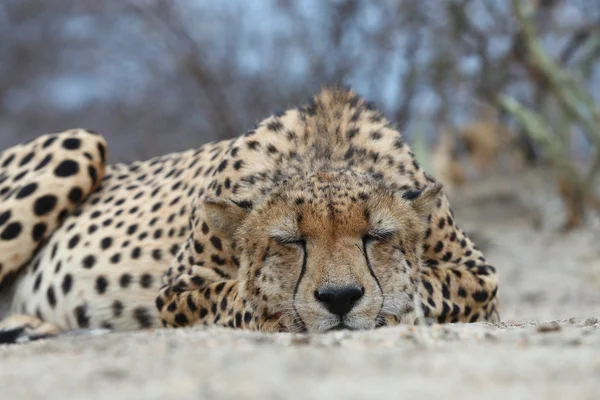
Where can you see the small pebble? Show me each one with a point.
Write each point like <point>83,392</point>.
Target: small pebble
<point>549,327</point>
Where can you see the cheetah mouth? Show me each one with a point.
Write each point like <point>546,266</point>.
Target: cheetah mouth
<point>340,327</point>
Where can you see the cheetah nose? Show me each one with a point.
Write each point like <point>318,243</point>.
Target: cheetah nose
<point>339,300</point>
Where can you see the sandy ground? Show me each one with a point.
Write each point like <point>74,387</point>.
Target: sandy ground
<point>545,276</point>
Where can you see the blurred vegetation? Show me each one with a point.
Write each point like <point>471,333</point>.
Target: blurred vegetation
<point>157,76</point>
<point>573,108</point>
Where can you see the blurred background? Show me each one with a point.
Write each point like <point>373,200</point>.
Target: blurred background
<point>480,87</point>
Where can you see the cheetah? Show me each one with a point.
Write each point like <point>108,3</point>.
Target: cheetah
<point>318,219</point>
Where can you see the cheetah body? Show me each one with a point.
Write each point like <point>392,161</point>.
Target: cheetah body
<point>130,246</point>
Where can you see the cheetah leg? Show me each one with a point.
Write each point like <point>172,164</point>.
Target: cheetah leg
<point>24,328</point>
<point>456,283</point>
<point>218,304</point>
<point>452,293</point>
<point>40,183</point>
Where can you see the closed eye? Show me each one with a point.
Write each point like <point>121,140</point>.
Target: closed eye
<point>379,235</point>
<point>287,238</point>
<point>298,242</point>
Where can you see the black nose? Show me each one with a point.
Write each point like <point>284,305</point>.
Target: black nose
<point>339,300</point>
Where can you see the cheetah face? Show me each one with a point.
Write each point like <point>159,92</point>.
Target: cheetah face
<point>332,250</point>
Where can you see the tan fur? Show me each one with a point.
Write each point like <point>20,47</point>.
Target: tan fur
<point>242,232</point>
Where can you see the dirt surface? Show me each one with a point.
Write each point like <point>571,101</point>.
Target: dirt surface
<point>545,276</point>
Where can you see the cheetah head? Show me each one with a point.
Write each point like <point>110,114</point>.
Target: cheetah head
<point>329,250</point>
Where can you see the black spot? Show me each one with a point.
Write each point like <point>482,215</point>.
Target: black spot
<point>26,159</point>
<point>54,250</point>
<point>146,280</point>
<point>205,229</point>
<point>38,231</point>
<point>37,283</point>
<point>5,216</point>
<point>219,288</point>
<point>89,261</point>
<point>217,260</point>
<point>445,291</point>
<point>480,296</point>
<point>8,160</point>
<point>136,252</point>
<point>216,242</point>
<point>125,280</point>
<point>106,243</point>
<point>117,308</point>
<point>190,303</point>
<point>83,321</point>
<point>439,246</point>
<point>376,135</point>
<point>73,241</point>
<point>428,286</point>
<point>447,256</point>
<point>45,204</point>
<point>102,152</point>
<point>93,174</point>
<point>101,284</point>
<point>43,163</point>
<point>445,308</point>
<point>75,195</point>
<point>197,280</point>
<point>131,230</point>
<point>275,125</point>
<point>247,317</point>
<point>455,310</point>
<point>143,316</point>
<point>67,283</point>
<point>198,247</point>
<point>11,231</point>
<point>107,325</point>
<point>181,319</point>
<point>71,143</point>
<point>222,166</point>
<point>27,190</point>
<point>66,168</point>
<point>51,297</point>
<point>159,303</point>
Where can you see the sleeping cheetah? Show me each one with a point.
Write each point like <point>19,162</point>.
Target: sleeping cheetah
<point>318,219</point>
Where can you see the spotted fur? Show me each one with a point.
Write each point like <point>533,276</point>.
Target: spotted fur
<point>251,232</point>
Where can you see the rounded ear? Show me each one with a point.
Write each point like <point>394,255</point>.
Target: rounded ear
<point>225,216</point>
<point>423,201</point>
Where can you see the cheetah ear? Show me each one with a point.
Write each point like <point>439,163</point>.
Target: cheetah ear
<point>225,216</point>
<point>424,201</point>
